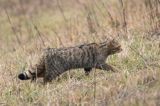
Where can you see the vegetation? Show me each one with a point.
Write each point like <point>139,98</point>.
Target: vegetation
<point>28,26</point>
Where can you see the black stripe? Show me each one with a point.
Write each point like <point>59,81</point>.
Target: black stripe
<point>92,55</point>
<point>33,74</point>
<point>53,67</point>
<point>88,55</point>
<point>69,61</point>
<point>82,55</point>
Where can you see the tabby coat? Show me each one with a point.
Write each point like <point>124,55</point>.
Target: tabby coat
<point>54,62</point>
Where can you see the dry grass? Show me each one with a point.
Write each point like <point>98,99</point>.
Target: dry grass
<point>29,26</point>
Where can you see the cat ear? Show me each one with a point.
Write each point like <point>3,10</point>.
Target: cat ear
<point>112,42</point>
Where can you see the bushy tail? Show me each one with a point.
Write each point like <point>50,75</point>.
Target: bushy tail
<point>26,75</point>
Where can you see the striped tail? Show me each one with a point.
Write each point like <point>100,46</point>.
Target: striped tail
<point>26,75</point>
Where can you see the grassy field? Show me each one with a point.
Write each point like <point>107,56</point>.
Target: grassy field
<point>28,26</point>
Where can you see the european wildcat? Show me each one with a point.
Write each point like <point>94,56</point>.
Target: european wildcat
<point>54,62</point>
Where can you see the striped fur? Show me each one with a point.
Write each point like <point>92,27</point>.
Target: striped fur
<point>54,62</point>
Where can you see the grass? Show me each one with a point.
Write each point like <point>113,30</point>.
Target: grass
<point>48,25</point>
